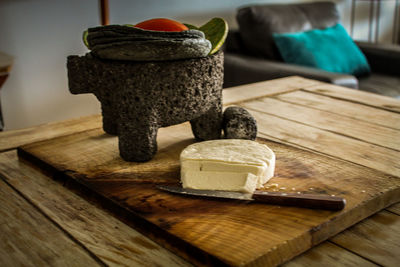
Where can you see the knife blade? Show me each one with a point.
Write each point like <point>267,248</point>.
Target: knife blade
<point>313,201</point>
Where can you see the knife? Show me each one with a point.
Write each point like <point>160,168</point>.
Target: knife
<point>312,201</point>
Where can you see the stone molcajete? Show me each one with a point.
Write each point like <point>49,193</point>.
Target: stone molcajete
<point>147,79</point>
<point>137,98</point>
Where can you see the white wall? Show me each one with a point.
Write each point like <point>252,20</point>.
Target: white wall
<point>40,34</point>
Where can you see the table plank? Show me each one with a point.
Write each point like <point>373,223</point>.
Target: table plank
<point>112,241</point>
<point>12,139</point>
<point>28,238</point>
<point>329,121</point>
<point>342,147</point>
<point>377,239</point>
<point>342,107</point>
<point>266,88</point>
<point>370,99</point>
<point>328,254</point>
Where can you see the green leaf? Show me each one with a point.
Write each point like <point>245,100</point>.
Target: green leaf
<point>84,37</point>
<point>215,31</point>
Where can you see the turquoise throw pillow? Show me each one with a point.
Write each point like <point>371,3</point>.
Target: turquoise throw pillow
<point>330,49</point>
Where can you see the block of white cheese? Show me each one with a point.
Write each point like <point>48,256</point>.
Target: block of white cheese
<point>227,164</point>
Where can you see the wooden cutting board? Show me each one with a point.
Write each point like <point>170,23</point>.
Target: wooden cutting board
<point>214,231</point>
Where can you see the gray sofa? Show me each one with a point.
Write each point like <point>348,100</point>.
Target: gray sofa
<point>252,56</point>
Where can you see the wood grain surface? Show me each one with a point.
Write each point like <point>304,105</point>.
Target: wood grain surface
<point>325,142</point>
<point>355,128</point>
<point>318,151</point>
<point>111,242</point>
<point>222,232</point>
<point>356,96</point>
<point>375,239</point>
<point>328,254</point>
<point>242,93</point>
<point>19,222</point>
<point>12,139</point>
<point>343,108</point>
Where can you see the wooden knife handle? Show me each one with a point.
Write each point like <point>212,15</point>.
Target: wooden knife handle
<point>312,201</point>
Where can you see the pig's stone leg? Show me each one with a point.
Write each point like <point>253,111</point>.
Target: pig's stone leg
<point>110,124</point>
<point>110,118</point>
<point>137,140</point>
<point>208,126</point>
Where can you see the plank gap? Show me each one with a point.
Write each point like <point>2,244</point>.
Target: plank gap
<point>353,252</point>
<point>392,212</point>
<point>325,93</point>
<point>256,90</point>
<point>328,254</point>
<point>7,149</point>
<point>376,238</point>
<point>239,102</point>
<point>316,101</point>
<point>285,142</point>
<point>395,208</point>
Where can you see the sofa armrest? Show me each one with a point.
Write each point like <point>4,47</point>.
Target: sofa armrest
<point>383,58</point>
<point>239,69</point>
<point>234,43</point>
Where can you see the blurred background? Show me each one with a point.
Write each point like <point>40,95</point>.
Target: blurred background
<point>40,34</point>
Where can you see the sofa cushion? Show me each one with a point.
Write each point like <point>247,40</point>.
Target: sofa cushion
<point>330,49</point>
<point>257,23</point>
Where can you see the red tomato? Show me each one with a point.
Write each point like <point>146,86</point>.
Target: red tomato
<point>161,24</point>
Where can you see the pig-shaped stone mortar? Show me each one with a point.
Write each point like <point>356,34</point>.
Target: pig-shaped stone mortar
<point>137,97</point>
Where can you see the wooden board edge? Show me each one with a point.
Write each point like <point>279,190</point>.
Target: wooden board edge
<point>270,259</point>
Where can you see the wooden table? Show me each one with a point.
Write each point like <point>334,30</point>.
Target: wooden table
<point>44,223</point>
